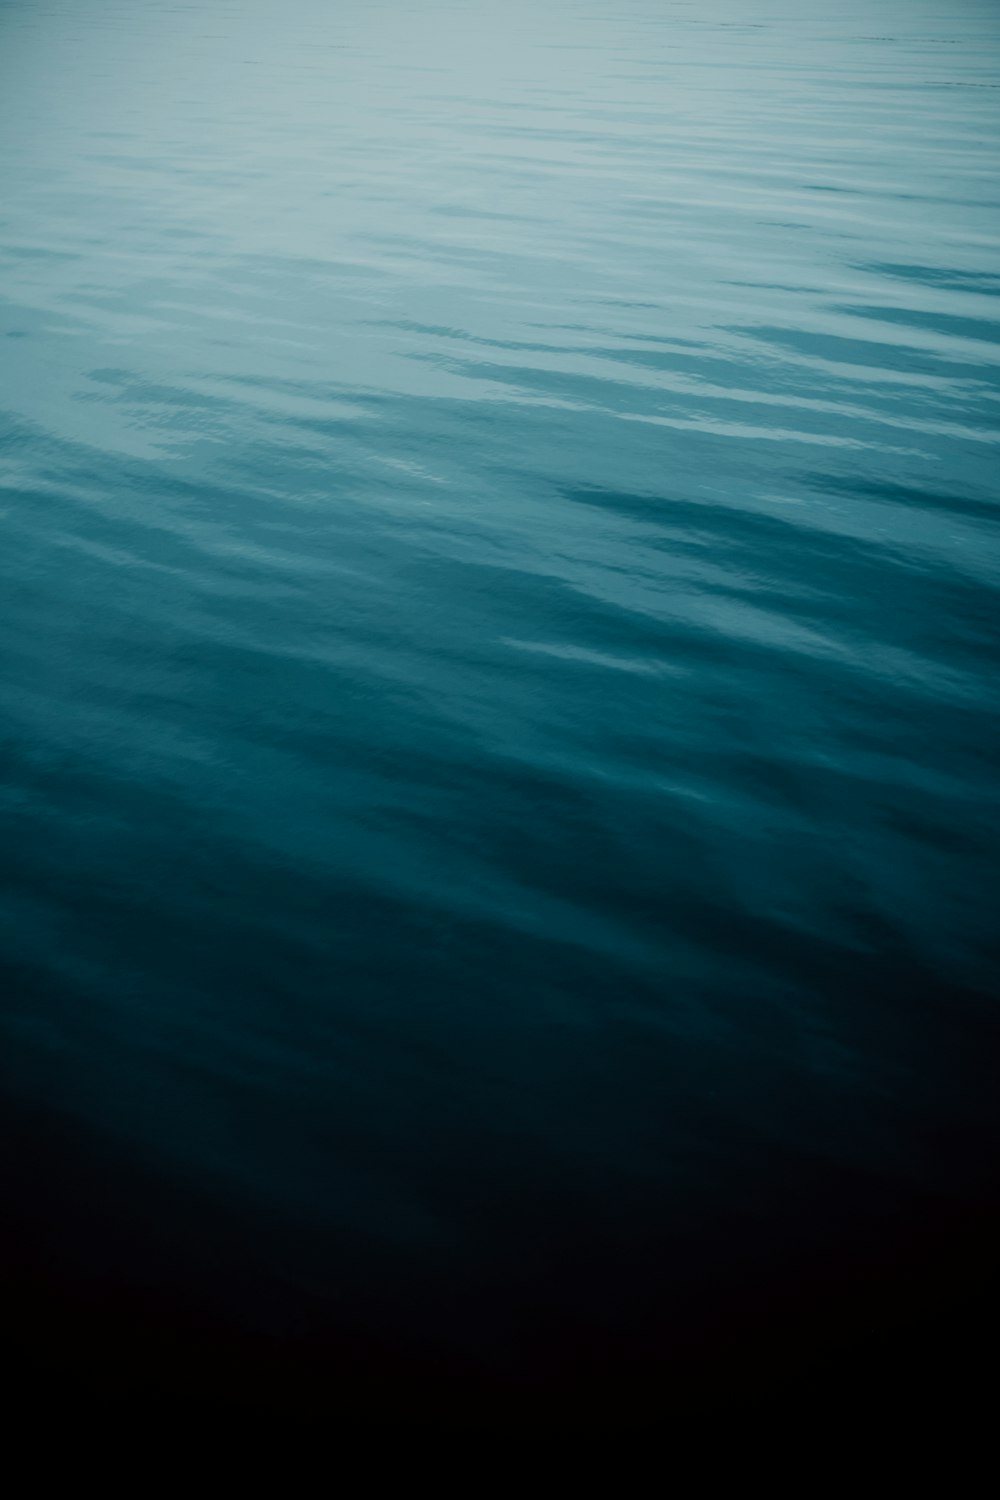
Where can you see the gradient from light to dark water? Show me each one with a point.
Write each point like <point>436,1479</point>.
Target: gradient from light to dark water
<point>499,586</point>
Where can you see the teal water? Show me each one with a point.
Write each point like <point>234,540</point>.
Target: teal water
<point>499,720</point>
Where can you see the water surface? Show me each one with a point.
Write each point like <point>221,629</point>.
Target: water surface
<point>499,725</point>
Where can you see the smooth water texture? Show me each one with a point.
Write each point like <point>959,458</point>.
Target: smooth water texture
<point>499,587</point>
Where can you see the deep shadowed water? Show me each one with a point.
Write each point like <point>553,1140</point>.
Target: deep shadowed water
<point>499,583</point>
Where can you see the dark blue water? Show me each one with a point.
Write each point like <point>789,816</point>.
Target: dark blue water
<point>499,727</point>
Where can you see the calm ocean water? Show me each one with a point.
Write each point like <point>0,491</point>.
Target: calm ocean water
<point>499,728</point>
